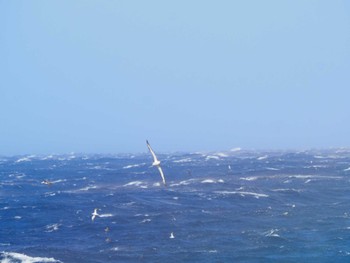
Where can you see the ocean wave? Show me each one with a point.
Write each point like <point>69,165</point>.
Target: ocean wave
<point>106,215</point>
<point>221,154</point>
<point>250,178</point>
<point>139,184</point>
<point>13,257</point>
<point>271,233</point>
<point>262,157</point>
<point>25,159</point>
<point>286,190</point>
<point>133,165</point>
<point>185,182</point>
<point>88,188</point>
<point>242,193</point>
<point>212,157</point>
<point>212,181</point>
<point>185,160</point>
<point>272,169</point>
<point>52,227</point>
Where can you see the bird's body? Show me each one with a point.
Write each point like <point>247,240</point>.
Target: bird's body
<point>47,182</point>
<point>156,162</point>
<point>94,214</point>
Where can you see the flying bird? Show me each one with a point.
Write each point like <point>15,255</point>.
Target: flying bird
<point>47,182</point>
<point>156,162</point>
<point>94,214</point>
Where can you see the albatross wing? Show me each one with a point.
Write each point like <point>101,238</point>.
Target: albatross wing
<point>152,152</point>
<point>161,174</point>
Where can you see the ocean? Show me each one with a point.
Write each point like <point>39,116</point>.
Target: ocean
<point>233,206</point>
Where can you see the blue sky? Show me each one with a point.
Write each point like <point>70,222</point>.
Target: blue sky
<point>103,76</point>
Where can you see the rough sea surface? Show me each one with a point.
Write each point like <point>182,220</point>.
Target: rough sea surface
<point>235,206</point>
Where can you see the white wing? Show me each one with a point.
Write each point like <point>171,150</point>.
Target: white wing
<point>93,217</point>
<point>161,174</point>
<point>152,152</point>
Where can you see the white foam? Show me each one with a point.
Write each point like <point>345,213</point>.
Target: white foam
<point>25,159</point>
<point>256,195</point>
<point>212,181</point>
<point>251,178</point>
<point>10,256</point>
<point>186,160</point>
<point>52,227</point>
<point>50,194</point>
<point>210,157</point>
<point>221,154</point>
<point>237,149</point>
<point>185,182</point>
<point>88,188</point>
<point>136,183</point>
<point>272,233</point>
<point>106,215</point>
<point>133,165</point>
<point>262,157</point>
<point>59,181</point>
<point>286,190</point>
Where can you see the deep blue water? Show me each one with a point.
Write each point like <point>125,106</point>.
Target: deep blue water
<point>221,207</point>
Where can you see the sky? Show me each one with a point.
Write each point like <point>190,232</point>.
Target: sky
<point>103,76</point>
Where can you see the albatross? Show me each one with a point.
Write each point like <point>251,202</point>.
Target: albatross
<point>156,162</point>
<point>94,214</point>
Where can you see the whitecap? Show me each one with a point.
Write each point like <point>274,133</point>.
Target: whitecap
<point>185,160</point>
<point>10,256</point>
<point>271,233</point>
<point>208,181</point>
<point>25,159</point>
<point>133,165</point>
<point>185,182</point>
<point>50,194</point>
<point>272,169</point>
<point>156,184</point>
<point>106,215</point>
<point>251,178</point>
<point>262,157</point>
<point>237,149</point>
<point>212,181</point>
<point>241,193</point>
<point>134,183</point>
<point>87,188</point>
<point>59,181</point>
<point>52,227</point>
<point>209,157</point>
<point>139,184</point>
<point>286,190</point>
<point>220,154</point>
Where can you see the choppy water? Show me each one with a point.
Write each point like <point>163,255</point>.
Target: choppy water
<point>218,207</point>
